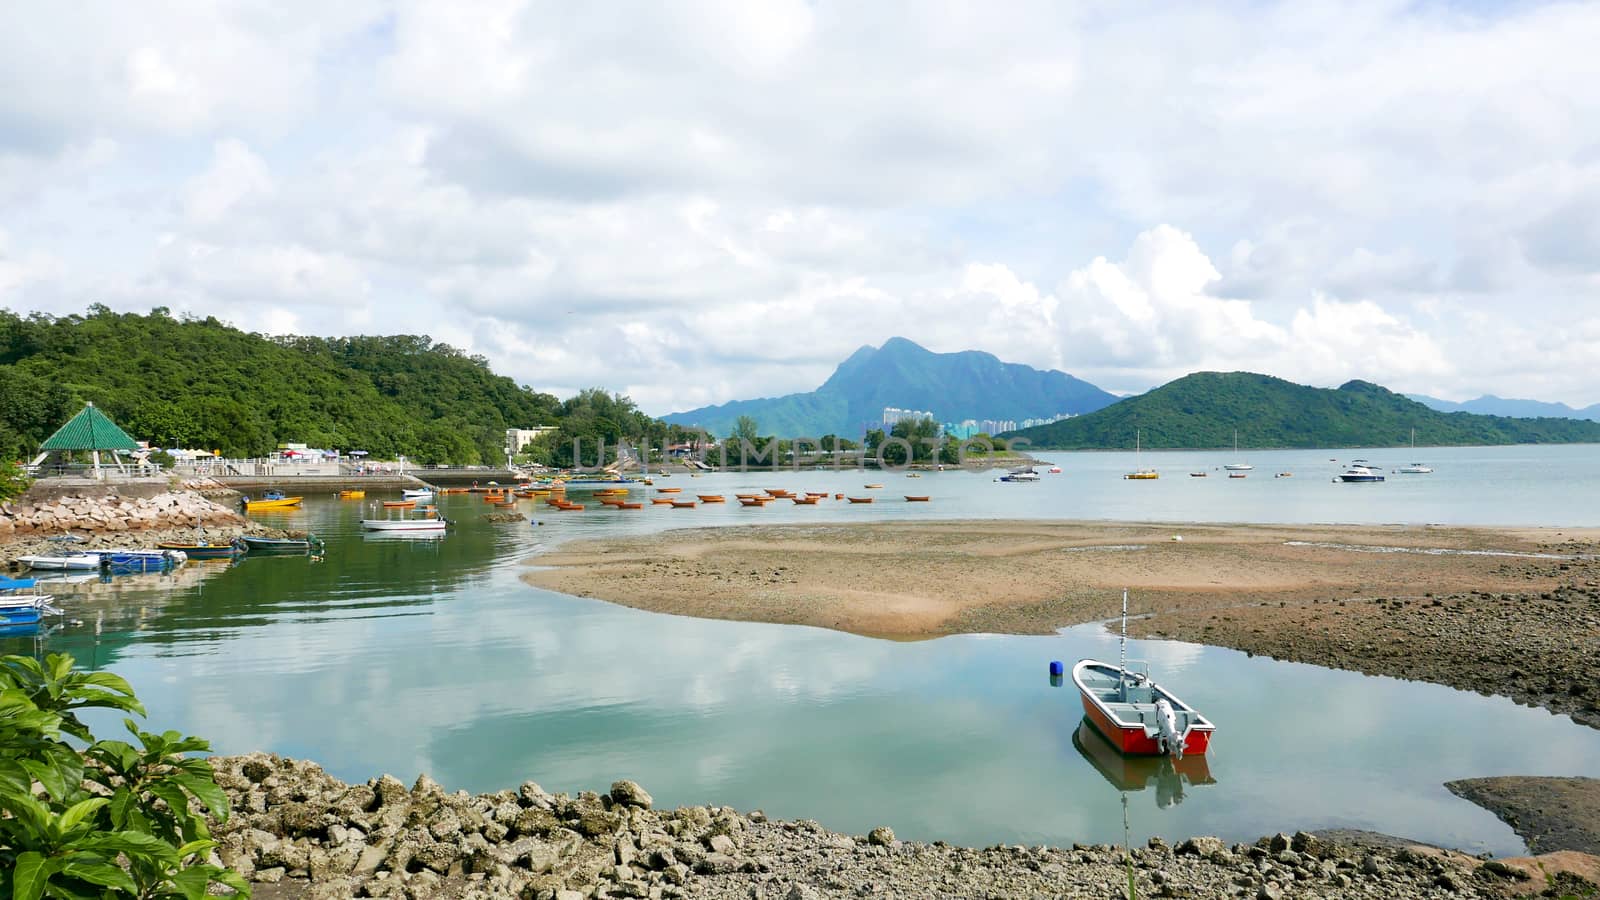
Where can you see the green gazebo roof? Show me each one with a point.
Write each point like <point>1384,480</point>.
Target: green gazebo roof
<point>89,430</point>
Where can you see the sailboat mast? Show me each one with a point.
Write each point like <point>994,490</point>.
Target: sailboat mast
<point>1122,650</point>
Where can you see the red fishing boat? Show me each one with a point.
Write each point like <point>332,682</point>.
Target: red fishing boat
<point>1138,716</point>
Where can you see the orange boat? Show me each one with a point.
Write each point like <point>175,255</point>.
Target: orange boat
<point>711,498</point>
<point>838,496</point>
<point>454,490</point>
<point>806,501</point>
<point>683,504</point>
<point>859,499</point>
<point>630,506</point>
<point>819,496</point>
<point>749,496</point>
<point>399,504</point>
<point>506,504</point>
<point>662,501</point>
<point>781,494</point>
<point>668,490</point>
<point>569,507</point>
<point>911,499</point>
<point>872,487</point>
<point>610,501</point>
<point>751,501</point>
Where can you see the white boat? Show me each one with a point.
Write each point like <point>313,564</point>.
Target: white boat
<point>68,562</point>
<point>431,524</point>
<point>1360,472</point>
<point>1415,468</point>
<point>417,493</point>
<point>1020,476</point>
<point>1238,466</point>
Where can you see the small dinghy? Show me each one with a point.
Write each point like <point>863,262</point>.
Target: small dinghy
<point>306,544</point>
<point>18,609</point>
<point>1138,716</point>
<point>66,562</point>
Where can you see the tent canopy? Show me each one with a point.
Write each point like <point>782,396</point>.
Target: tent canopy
<point>90,430</point>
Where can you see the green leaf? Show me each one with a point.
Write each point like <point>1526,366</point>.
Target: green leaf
<point>200,846</point>
<point>191,882</point>
<point>206,789</point>
<point>29,811</point>
<point>102,873</point>
<point>108,680</point>
<point>47,776</point>
<point>80,811</point>
<point>29,876</point>
<point>133,843</point>
<point>120,801</point>
<point>14,778</point>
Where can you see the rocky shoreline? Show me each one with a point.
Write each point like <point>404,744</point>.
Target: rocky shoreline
<point>97,520</point>
<point>297,832</point>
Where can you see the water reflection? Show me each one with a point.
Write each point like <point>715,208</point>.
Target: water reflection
<point>405,655</point>
<point>1170,779</point>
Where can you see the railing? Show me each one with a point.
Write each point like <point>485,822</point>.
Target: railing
<point>106,472</point>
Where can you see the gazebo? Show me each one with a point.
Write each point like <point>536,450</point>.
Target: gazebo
<point>90,430</point>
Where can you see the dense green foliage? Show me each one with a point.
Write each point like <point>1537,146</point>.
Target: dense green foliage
<point>200,383</point>
<point>112,821</point>
<point>1203,410</point>
<point>952,386</point>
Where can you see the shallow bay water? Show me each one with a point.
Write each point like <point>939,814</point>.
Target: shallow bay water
<point>404,655</point>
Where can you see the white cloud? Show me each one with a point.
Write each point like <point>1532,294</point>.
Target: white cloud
<point>712,200</point>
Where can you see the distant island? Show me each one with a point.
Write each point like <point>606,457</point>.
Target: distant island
<point>1490,405</point>
<point>1205,409</point>
<point>910,379</point>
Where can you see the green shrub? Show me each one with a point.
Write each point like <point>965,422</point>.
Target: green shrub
<point>113,820</point>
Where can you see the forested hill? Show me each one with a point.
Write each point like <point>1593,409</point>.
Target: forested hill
<point>201,383</point>
<point>1202,410</point>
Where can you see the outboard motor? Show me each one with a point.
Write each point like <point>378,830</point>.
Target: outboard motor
<point>1167,729</point>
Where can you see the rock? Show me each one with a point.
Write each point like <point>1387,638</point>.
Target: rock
<point>882,836</point>
<point>1278,843</point>
<point>1505,870</point>
<point>1269,890</point>
<point>629,793</point>
<point>721,843</point>
<point>1203,846</point>
<point>802,892</point>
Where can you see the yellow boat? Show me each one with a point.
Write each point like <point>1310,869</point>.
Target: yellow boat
<point>271,502</point>
<point>352,495</point>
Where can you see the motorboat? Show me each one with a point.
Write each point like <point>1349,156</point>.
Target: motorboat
<point>270,500</point>
<point>1054,470</point>
<point>352,495</point>
<point>20,610</point>
<point>1020,476</point>
<point>203,549</point>
<point>429,524</point>
<point>1138,716</point>
<point>1360,472</point>
<point>307,544</point>
<point>65,562</point>
<point>417,493</point>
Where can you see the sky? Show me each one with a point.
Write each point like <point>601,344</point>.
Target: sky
<point>701,201</point>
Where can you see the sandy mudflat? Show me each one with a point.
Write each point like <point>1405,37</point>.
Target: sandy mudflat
<point>1495,611</point>
<point>917,580</point>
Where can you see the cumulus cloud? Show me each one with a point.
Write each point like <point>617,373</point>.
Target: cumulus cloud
<point>712,200</point>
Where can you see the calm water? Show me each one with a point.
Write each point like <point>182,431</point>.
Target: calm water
<point>405,655</point>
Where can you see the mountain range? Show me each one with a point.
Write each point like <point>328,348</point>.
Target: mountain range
<point>953,386</point>
<point>1204,409</point>
<point>1491,405</point>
